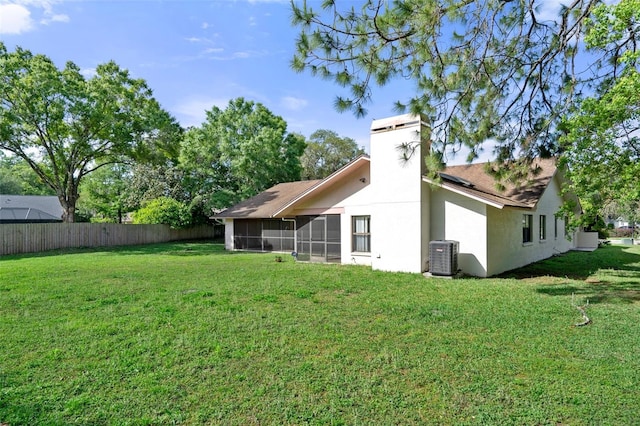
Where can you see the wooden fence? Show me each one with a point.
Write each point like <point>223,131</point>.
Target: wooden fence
<point>37,237</point>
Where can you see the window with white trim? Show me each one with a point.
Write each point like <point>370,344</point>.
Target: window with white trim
<point>527,228</point>
<point>361,234</point>
<point>543,227</point>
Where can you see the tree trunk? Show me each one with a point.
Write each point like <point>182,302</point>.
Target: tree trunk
<point>68,202</point>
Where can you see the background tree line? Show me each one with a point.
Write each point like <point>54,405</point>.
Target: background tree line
<point>105,147</point>
<point>484,70</point>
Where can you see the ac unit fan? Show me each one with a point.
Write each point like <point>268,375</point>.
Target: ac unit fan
<point>443,257</point>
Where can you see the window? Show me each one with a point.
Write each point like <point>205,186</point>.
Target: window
<point>543,227</point>
<point>527,228</point>
<point>555,227</point>
<point>361,242</point>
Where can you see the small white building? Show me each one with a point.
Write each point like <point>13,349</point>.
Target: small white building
<point>382,211</point>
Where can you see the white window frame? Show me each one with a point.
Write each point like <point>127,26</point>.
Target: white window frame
<point>542,230</point>
<point>361,234</point>
<point>527,223</point>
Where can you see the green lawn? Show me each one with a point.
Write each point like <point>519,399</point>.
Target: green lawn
<point>190,334</point>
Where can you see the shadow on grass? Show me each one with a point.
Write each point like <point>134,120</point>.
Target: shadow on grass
<point>601,292</point>
<point>609,275</point>
<point>182,248</point>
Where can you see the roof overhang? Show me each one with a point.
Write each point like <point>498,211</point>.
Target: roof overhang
<point>489,199</point>
<point>326,183</point>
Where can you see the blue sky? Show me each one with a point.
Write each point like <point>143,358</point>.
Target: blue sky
<point>195,54</point>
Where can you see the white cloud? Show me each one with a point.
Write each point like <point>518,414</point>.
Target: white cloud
<point>292,103</point>
<point>15,19</point>
<point>55,17</point>
<point>193,111</point>
<point>88,72</point>
<point>213,50</point>
<point>204,25</point>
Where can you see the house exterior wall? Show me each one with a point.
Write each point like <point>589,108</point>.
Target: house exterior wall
<point>351,199</point>
<point>506,248</point>
<point>399,209</point>
<point>228,235</point>
<point>458,218</point>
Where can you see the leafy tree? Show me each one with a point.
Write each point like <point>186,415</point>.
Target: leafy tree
<point>326,152</point>
<point>239,152</point>
<point>104,193</point>
<point>482,69</point>
<point>150,181</point>
<point>164,210</point>
<point>65,126</point>
<point>17,178</point>
<point>601,138</point>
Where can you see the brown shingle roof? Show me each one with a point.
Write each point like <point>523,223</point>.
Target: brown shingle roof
<point>473,180</point>
<point>267,203</point>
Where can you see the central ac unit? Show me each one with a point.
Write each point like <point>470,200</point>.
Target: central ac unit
<point>443,257</point>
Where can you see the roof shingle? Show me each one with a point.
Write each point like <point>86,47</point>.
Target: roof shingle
<point>267,203</point>
<point>483,185</point>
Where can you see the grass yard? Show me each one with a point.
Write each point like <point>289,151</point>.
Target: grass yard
<point>189,334</point>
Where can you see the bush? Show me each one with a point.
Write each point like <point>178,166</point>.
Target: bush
<point>164,210</point>
<point>623,232</point>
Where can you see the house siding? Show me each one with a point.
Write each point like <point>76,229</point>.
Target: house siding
<point>461,219</point>
<point>507,251</point>
<point>399,207</point>
<point>406,212</point>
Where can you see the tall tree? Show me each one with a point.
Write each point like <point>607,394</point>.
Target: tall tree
<point>238,152</point>
<point>65,126</point>
<point>105,192</point>
<point>326,152</point>
<point>17,178</point>
<point>482,69</point>
<point>601,139</point>
<point>150,181</point>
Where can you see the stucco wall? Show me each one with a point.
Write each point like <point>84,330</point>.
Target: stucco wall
<point>458,218</point>
<point>397,211</point>
<point>228,234</point>
<point>349,190</point>
<point>506,249</point>
<point>350,197</point>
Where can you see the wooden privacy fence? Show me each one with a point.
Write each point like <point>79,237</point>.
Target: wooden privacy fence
<point>37,237</point>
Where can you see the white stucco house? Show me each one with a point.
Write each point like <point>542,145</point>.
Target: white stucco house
<point>381,210</point>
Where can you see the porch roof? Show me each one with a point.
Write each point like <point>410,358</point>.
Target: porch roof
<point>277,200</point>
<point>267,203</point>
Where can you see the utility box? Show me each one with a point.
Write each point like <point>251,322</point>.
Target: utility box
<point>443,257</point>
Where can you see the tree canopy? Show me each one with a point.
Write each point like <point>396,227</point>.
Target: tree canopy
<point>326,152</point>
<point>17,178</point>
<point>239,152</point>
<point>483,69</point>
<point>65,126</point>
<point>105,193</point>
<point>601,135</point>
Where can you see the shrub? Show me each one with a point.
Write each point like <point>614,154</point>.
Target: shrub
<point>164,210</point>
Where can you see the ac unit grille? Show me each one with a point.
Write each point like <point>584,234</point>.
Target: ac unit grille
<point>443,257</point>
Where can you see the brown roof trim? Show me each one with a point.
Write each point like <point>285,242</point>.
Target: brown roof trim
<point>326,181</point>
<point>278,198</point>
<point>472,180</point>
